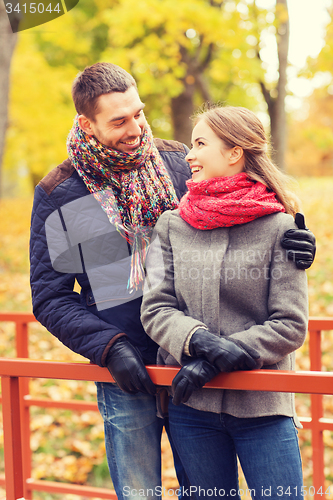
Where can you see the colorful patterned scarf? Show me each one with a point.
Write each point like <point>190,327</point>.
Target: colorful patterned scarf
<point>134,189</point>
<point>226,201</point>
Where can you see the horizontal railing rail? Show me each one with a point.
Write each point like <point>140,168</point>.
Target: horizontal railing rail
<point>257,380</point>
<point>16,401</point>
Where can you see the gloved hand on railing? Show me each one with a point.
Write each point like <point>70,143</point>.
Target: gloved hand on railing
<point>194,375</point>
<point>226,354</point>
<point>124,362</point>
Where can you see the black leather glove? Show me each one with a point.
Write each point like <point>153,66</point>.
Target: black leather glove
<point>224,353</point>
<point>193,375</point>
<point>125,364</point>
<point>300,244</point>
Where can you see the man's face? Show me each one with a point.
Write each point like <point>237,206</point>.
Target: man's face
<point>119,123</point>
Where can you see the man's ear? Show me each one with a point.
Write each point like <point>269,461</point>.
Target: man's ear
<point>236,155</point>
<point>85,124</point>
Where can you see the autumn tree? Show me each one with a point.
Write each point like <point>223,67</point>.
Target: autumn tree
<point>41,115</point>
<point>310,150</point>
<point>178,60</point>
<point>216,56</point>
<point>7,44</point>
<point>322,64</point>
<point>181,54</point>
<point>310,143</point>
<point>184,53</point>
<point>275,92</point>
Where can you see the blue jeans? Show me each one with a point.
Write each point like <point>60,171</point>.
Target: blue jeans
<point>133,443</point>
<point>209,443</point>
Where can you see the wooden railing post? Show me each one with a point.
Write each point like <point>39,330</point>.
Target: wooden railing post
<point>12,438</point>
<point>316,415</point>
<point>16,404</point>
<point>22,348</point>
<point>22,351</point>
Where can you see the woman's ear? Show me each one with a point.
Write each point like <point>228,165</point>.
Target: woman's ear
<point>85,124</point>
<point>236,155</point>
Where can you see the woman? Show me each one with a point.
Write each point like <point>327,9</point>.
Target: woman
<point>220,296</point>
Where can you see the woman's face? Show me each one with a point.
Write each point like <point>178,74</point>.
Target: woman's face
<point>209,156</point>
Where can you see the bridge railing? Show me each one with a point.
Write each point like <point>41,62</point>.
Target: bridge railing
<point>16,402</point>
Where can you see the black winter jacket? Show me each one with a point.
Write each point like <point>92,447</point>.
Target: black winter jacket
<point>59,259</point>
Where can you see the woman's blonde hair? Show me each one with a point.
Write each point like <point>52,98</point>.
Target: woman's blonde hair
<point>237,126</point>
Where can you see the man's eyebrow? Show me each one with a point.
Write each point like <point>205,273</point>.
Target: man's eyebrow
<point>118,118</point>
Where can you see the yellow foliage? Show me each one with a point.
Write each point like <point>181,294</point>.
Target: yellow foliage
<point>310,140</point>
<point>40,116</point>
<point>323,63</point>
<point>148,39</point>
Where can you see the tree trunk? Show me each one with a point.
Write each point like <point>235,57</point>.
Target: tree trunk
<point>7,44</point>
<point>182,109</point>
<point>277,109</point>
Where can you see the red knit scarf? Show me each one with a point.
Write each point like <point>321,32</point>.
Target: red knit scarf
<point>226,201</point>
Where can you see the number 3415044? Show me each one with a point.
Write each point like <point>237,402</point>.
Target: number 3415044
<point>32,8</point>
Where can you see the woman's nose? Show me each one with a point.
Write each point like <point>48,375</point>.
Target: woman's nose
<point>189,155</point>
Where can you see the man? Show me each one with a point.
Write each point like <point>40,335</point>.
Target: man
<point>91,223</point>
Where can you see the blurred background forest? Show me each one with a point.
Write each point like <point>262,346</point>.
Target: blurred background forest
<point>182,53</point>
<point>272,56</point>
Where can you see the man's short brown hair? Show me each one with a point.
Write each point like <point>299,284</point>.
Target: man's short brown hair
<point>95,80</point>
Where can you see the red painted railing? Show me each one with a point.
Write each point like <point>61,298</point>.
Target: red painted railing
<point>15,374</point>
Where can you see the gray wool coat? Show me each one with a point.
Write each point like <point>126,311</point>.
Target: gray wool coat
<point>236,281</point>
